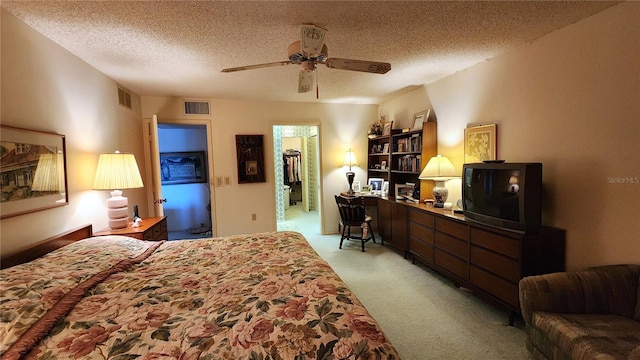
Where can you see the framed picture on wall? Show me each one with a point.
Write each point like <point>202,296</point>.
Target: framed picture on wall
<point>183,167</point>
<point>33,171</point>
<point>480,143</point>
<point>250,157</point>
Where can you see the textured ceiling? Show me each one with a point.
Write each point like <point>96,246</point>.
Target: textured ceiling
<point>177,48</point>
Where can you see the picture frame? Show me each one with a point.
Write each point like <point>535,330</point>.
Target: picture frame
<point>250,158</point>
<point>187,167</point>
<point>419,118</point>
<point>365,189</point>
<point>405,191</point>
<point>385,187</point>
<point>480,143</point>
<point>386,129</point>
<point>383,164</point>
<point>33,174</point>
<point>356,186</point>
<point>375,184</point>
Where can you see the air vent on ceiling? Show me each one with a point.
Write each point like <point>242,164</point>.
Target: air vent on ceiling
<point>196,107</point>
<point>124,98</point>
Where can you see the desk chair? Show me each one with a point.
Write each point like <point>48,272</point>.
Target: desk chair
<point>352,214</point>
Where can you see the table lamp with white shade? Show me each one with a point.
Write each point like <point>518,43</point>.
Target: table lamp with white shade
<point>439,169</point>
<point>117,171</point>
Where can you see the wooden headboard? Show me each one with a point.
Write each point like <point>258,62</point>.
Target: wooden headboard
<point>46,246</point>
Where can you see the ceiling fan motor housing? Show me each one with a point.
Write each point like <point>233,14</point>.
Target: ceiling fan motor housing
<point>297,56</point>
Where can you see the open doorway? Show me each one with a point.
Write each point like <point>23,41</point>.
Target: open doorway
<point>185,184</point>
<point>297,178</point>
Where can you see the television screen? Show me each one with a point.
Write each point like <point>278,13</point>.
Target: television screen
<point>493,192</point>
<point>504,195</point>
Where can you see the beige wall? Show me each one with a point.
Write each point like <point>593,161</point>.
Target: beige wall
<point>46,88</point>
<point>341,127</point>
<point>571,101</point>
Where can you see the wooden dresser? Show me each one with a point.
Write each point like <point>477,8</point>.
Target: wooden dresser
<point>487,260</point>
<point>152,229</point>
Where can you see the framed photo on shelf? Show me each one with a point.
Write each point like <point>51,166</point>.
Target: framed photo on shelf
<point>34,171</point>
<point>480,143</point>
<point>419,119</point>
<point>375,184</point>
<point>386,129</point>
<point>383,165</point>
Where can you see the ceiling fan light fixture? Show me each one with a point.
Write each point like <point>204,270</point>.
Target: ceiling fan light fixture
<point>305,81</point>
<point>311,39</point>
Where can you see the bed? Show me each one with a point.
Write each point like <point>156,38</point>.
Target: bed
<point>258,296</point>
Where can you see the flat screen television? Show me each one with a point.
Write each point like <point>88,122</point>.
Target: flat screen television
<point>503,195</point>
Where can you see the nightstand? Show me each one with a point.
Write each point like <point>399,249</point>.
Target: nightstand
<point>152,229</point>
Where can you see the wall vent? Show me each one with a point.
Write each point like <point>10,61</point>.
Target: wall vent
<point>196,107</point>
<point>124,98</point>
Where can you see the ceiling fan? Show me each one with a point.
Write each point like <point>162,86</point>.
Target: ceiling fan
<point>309,51</point>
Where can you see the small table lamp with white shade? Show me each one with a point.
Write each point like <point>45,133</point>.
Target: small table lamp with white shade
<point>439,169</point>
<point>117,171</point>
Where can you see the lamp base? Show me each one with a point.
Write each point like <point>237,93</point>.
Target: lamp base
<point>440,194</point>
<point>350,176</point>
<point>118,210</point>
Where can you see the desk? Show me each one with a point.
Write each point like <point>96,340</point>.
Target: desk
<point>369,199</point>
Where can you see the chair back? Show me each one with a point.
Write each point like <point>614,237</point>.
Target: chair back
<point>352,211</point>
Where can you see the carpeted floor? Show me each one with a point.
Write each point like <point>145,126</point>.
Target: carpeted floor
<point>423,314</point>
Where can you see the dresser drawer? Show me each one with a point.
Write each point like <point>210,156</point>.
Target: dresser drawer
<point>421,249</point>
<point>452,245</point>
<point>421,218</point>
<point>452,228</point>
<point>500,288</point>
<point>149,234</point>
<point>160,230</point>
<point>496,263</point>
<point>421,232</point>
<point>498,243</point>
<point>452,264</point>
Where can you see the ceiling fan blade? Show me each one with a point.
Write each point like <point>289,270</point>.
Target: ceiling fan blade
<point>257,66</point>
<point>311,38</point>
<point>305,81</point>
<point>358,65</point>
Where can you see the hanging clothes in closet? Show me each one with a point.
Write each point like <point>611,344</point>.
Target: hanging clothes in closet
<point>292,160</point>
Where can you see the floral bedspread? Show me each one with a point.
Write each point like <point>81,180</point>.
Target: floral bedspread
<point>259,296</point>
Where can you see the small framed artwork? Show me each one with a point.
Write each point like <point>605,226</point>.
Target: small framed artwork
<point>33,174</point>
<point>385,187</point>
<point>419,119</point>
<point>383,164</point>
<point>365,189</point>
<point>250,157</point>
<point>480,143</point>
<point>183,167</point>
<point>376,184</point>
<point>386,129</point>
